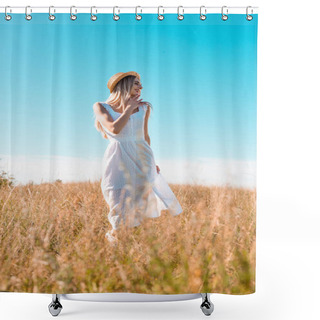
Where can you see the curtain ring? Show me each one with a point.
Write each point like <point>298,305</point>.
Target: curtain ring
<point>180,16</point>
<point>249,17</point>
<point>28,16</point>
<point>51,16</point>
<point>138,16</point>
<point>72,15</point>
<point>160,16</point>
<point>93,16</point>
<point>7,16</point>
<point>115,16</point>
<point>203,16</point>
<point>224,16</point>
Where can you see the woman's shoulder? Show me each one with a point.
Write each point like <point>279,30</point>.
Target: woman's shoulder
<point>100,106</point>
<point>97,106</point>
<point>147,106</point>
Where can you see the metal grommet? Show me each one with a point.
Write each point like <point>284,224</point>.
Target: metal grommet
<point>72,15</point>
<point>160,16</point>
<point>249,17</point>
<point>224,16</point>
<point>51,16</point>
<point>203,16</point>
<point>115,16</point>
<point>7,16</point>
<point>138,16</point>
<point>93,16</point>
<point>180,16</point>
<point>28,16</point>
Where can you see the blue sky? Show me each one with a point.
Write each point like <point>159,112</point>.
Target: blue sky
<point>200,77</point>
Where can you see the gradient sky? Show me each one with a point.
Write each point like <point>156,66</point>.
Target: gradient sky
<point>200,77</point>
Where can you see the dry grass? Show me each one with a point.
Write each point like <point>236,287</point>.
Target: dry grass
<point>52,240</point>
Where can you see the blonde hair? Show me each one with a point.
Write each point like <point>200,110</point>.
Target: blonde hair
<point>117,98</point>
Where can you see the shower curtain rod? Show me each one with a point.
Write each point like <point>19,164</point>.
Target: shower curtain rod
<point>125,9</point>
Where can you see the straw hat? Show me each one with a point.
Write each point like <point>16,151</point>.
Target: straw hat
<point>118,76</point>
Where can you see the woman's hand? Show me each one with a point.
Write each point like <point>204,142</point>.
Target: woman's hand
<point>158,169</point>
<point>133,103</point>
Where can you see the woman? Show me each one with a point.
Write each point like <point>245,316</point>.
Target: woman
<point>132,184</point>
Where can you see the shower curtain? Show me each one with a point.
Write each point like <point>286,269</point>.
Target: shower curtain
<point>128,153</point>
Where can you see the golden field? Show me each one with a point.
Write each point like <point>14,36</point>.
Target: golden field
<point>52,240</point>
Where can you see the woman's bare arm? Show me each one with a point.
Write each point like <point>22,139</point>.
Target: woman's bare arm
<point>103,116</point>
<point>146,134</point>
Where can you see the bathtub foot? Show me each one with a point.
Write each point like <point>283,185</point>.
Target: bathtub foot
<point>206,305</point>
<point>55,306</point>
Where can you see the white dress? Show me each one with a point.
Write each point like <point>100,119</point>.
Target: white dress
<point>130,183</point>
